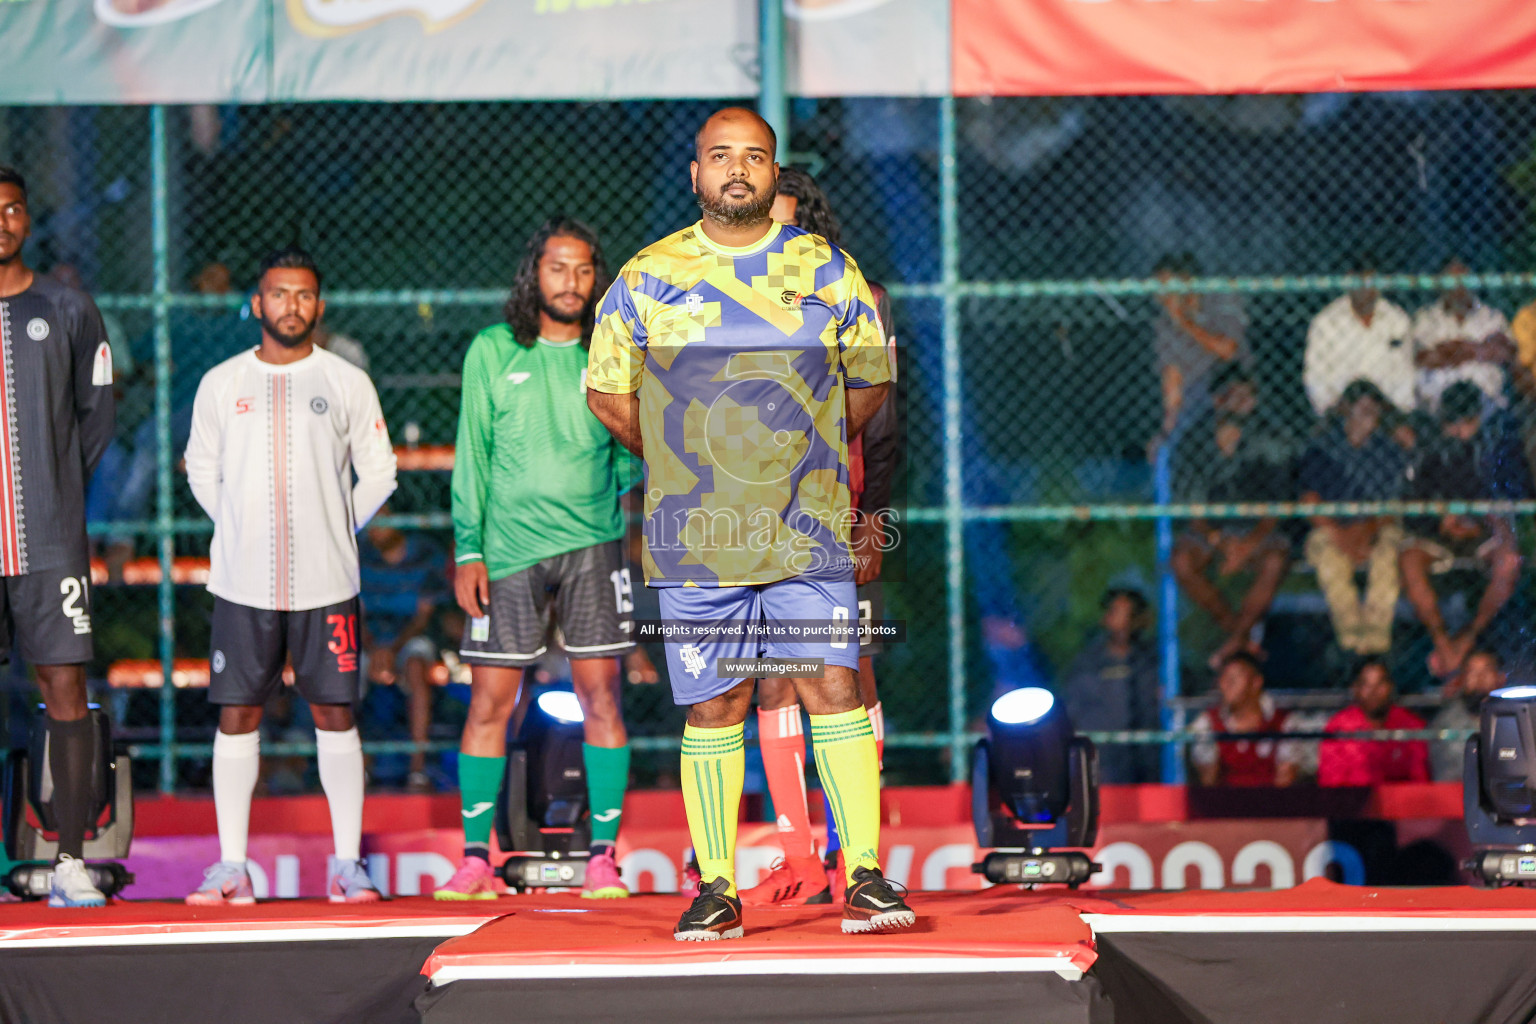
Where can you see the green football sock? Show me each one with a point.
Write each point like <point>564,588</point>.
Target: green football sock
<point>479,785</point>
<point>607,778</point>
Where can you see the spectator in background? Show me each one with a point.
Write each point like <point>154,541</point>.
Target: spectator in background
<point>1457,338</point>
<point>1481,675</point>
<point>1112,685</point>
<point>1355,460</point>
<point>1359,336</point>
<point>1230,456</point>
<point>344,345</point>
<point>404,582</point>
<point>1458,465</point>
<point>1194,337</point>
<point>1372,762</point>
<point>1243,706</point>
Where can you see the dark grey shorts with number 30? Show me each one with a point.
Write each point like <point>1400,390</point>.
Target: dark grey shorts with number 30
<point>585,592</point>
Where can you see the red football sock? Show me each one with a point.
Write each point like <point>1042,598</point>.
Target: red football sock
<point>877,719</point>
<point>781,736</point>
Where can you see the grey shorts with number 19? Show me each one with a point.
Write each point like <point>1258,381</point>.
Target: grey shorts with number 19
<point>585,592</point>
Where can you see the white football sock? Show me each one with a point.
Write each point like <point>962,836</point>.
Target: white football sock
<point>341,774</point>
<point>236,764</point>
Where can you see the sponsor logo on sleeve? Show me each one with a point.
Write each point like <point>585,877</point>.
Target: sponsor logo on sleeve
<point>101,366</point>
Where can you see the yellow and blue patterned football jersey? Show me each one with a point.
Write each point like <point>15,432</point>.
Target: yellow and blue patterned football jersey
<point>741,357</point>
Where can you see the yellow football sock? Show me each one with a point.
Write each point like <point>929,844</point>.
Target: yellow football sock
<point>714,768</point>
<point>849,770</point>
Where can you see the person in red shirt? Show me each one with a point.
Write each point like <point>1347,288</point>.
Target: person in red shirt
<point>1371,762</point>
<point>1244,707</point>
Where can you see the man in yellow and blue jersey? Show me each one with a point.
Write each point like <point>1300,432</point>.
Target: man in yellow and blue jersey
<point>738,357</point>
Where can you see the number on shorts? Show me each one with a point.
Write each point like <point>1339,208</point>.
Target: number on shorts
<point>839,620</point>
<point>343,642</point>
<point>75,589</point>
<point>623,596</point>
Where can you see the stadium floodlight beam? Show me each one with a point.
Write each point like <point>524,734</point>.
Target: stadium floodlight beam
<point>542,818</point>
<point>1034,791</point>
<point>1499,789</point>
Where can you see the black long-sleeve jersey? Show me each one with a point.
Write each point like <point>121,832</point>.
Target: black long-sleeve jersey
<point>878,448</point>
<point>56,419</point>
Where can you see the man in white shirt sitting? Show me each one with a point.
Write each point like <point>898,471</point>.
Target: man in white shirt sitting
<point>1359,336</point>
<point>1458,338</point>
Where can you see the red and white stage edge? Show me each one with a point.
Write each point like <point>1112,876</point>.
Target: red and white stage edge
<point>1121,953</point>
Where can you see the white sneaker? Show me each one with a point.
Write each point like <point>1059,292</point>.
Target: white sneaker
<point>72,885</point>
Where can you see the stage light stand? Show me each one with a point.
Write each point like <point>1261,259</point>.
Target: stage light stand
<point>32,881</point>
<point>542,816</point>
<point>1034,794</point>
<point>30,832</point>
<point>1499,790</point>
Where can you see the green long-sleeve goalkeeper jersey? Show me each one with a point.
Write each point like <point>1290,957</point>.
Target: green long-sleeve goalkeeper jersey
<point>534,474</point>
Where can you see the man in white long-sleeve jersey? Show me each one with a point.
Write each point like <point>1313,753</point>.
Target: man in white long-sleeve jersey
<point>276,434</point>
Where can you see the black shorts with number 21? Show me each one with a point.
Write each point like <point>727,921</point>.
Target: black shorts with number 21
<point>251,646</point>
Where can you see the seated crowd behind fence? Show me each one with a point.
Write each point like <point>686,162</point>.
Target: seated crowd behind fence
<point>1433,407</point>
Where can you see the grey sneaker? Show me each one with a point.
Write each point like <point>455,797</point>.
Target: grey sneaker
<point>225,884</point>
<point>72,885</point>
<point>347,881</point>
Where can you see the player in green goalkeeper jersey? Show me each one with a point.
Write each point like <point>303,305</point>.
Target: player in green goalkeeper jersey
<point>537,533</point>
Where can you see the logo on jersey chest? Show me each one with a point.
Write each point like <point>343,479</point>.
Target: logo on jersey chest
<point>694,303</point>
<point>790,299</point>
<point>243,406</point>
<point>518,376</point>
<point>37,329</point>
<point>319,405</point>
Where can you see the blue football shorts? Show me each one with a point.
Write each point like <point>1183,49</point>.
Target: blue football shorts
<point>693,663</point>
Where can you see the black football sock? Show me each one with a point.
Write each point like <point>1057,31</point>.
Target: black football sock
<point>71,759</point>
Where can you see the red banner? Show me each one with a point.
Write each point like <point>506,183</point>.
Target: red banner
<point>1091,47</point>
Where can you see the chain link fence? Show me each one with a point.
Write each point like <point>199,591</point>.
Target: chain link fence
<point>1120,321</point>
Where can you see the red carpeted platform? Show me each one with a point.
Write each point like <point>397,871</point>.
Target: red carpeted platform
<point>1318,906</point>
<point>984,932</point>
<point>1320,952</point>
<point>166,963</point>
<point>162,923</point>
<point>972,956</point>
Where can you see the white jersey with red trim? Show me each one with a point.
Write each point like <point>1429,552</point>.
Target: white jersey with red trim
<point>271,460</point>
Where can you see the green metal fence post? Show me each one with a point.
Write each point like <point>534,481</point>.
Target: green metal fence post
<point>164,526</point>
<point>954,493</point>
<point>772,103</point>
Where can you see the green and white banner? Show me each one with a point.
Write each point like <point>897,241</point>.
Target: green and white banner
<point>205,51</point>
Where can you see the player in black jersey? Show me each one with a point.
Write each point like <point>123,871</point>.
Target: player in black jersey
<point>56,420</point>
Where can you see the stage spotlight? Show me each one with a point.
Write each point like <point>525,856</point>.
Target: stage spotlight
<point>31,834</point>
<point>561,705</point>
<point>1499,789</point>
<point>542,816</point>
<point>1034,791</point>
